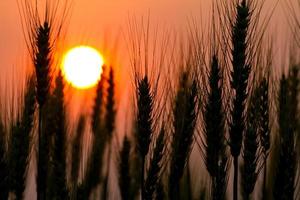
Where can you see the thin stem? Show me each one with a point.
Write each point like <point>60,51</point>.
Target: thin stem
<point>40,193</point>
<point>107,171</point>
<point>143,178</point>
<point>235,180</point>
<point>265,177</point>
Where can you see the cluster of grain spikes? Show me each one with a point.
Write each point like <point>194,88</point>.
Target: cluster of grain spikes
<point>41,34</point>
<point>103,125</point>
<point>93,174</point>
<point>20,143</point>
<point>285,178</point>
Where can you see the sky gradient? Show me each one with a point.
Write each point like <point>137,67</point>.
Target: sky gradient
<point>93,21</point>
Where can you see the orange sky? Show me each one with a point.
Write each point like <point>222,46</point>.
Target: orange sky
<point>98,19</point>
<point>101,23</point>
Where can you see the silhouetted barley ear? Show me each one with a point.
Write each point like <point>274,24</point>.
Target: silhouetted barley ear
<point>135,171</point>
<point>214,133</point>
<point>284,184</point>
<point>94,164</point>
<point>124,170</point>
<point>264,123</point>
<point>251,145</point>
<point>214,120</point>
<point>154,171</point>
<point>110,115</point>
<point>57,183</point>
<point>42,61</point>
<point>144,123</point>
<point>98,103</point>
<point>185,118</point>
<point>144,116</point>
<point>110,104</point>
<point>19,143</point>
<point>239,81</point>
<point>76,155</point>
<point>3,164</point>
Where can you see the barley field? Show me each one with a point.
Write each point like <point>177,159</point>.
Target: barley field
<point>209,111</point>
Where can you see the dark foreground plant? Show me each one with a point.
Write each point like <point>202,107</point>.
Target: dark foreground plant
<point>58,177</point>
<point>251,145</point>
<point>124,170</point>
<point>93,174</point>
<point>215,156</point>
<point>144,124</point>
<point>239,82</point>
<point>185,117</point>
<point>3,163</point>
<point>19,143</point>
<point>77,144</point>
<point>284,185</point>
<point>154,171</point>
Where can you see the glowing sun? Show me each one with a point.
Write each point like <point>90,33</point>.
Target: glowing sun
<point>82,66</point>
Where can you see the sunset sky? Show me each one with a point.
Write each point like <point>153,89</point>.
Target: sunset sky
<point>96,21</point>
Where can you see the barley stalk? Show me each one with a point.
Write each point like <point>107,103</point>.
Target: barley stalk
<point>251,145</point>
<point>154,171</point>
<point>144,124</point>
<point>76,154</point>
<point>94,164</point>
<point>264,126</point>
<point>214,134</point>
<point>57,183</point>
<point>185,118</point>
<point>239,81</point>
<point>3,163</point>
<point>284,185</point>
<point>124,170</point>
<point>19,143</point>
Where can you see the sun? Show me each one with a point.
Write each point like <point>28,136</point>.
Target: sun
<point>82,66</point>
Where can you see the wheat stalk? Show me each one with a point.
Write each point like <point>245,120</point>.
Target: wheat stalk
<point>57,184</point>
<point>76,154</point>
<point>284,184</point>
<point>154,171</point>
<point>110,114</point>
<point>185,117</point>
<point>239,81</point>
<point>94,164</point>
<point>3,163</point>
<point>124,170</point>
<point>144,124</point>
<point>19,143</point>
<point>251,145</point>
